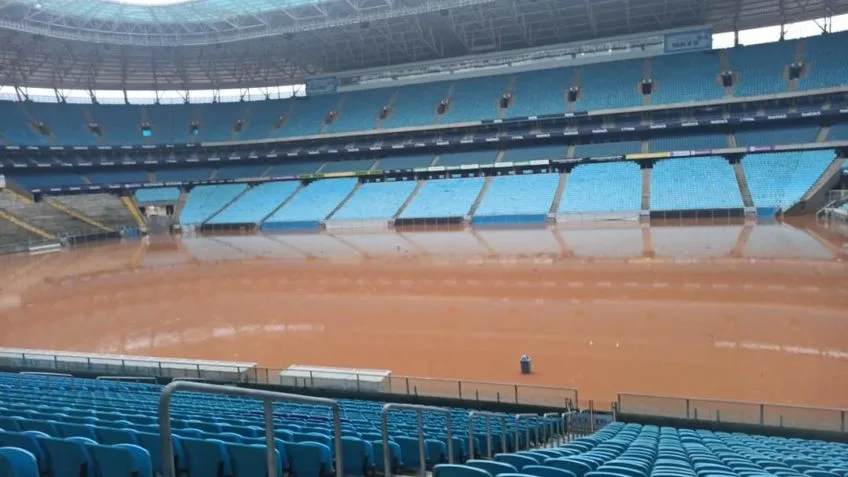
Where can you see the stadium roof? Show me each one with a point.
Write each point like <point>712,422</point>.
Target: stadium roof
<point>216,44</point>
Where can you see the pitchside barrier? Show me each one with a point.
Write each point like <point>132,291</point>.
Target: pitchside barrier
<point>735,412</point>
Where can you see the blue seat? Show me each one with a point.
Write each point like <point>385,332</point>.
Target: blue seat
<point>68,457</point>
<point>492,467</point>
<point>76,430</point>
<point>29,443</point>
<point>47,427</point>
<point>279,444</point>
<point>395,455</point>
<point>17,462</point>
<point>547,471</point>
<point>437,452</point>
<point>309,459</point>
<point>152,444</point>
<point>110,436</point>
<point>9,424</point>
<point>122,460</point>
<point>207,457</point>
<point>250,460</point>
<point>579,468</point>
<point>358,456</point>
<point>455,470</point>
<point>515,460</point>
<point>230,437</point>
<point>409,451</point>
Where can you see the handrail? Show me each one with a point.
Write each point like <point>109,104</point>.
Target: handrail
<point>552,426</point>
<point>267,397</point>
<point>40,373</point>
<point>422,462</point>
<point>132,379</point>
<point>519,418</point>
<point>488,416</point>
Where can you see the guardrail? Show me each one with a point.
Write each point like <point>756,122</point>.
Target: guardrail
<point>420,410</point>
<point>736,412</point>
<point>268,399</point>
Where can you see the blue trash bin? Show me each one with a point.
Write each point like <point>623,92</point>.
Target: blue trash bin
<point>526,364</point>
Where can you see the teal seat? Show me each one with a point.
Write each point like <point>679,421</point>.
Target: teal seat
<point>122,460</point>
<point>17,462</point>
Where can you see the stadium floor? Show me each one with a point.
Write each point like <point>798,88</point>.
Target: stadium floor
<point>699,316</point>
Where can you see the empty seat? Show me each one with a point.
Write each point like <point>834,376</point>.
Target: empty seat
<point>122,460</point>
<point>494,468</point>
<point>16,462</point>
<point>250,460</point>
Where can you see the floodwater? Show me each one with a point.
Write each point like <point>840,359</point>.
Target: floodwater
<point>731,311</point>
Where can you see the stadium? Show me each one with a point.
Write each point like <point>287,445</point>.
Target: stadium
<point>459,238</point>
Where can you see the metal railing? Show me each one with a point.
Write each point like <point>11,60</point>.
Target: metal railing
<point>518,419</point>
<point>268,398</point>
<point>488,416</point>
<point>422,461</point>
<point>737,412</point>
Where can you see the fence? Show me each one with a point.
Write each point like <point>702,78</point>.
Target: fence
<point>68,238</point>
<point>736,412</point>
<point>129,366</point>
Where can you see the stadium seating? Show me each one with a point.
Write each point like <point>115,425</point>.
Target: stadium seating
<point>404,162</point>
<point>217,120</point>
<point>610,187</point>
<point>444,198</point>
<point>415,105</point>
<point>356,165</point>
<point>779,180</point>
<point>360,110</point>
<point>236,172</point>
<point>46,181</point>
<point>761,69</point>
<point>294,169</point>
<point>540,92</point>
<point>184,174</point>
<point>823,61</point>
<point>66,122</point>
<point>466,158</point>
<point>308,116</point>
<point>12,236</point>
<point>772,137</point>
<point>315,202</point>
<point>256,203</point>
<point>376,200</point>
<point>205,201</point>
<point>104,208</point>
<point>157,195</point>
<point>42,215</point>
<point>121,124</point>
<point>526,154</point>
<point>16,127</point>
<point>609,85</point>
<point>475,99</point>
<point>170,123</point>
<point>693,184</point>
<point>523,195</point>
<point>683,78</point>
<point>605,149</point>
<point>688,142</point>
<point>117,177</point>
<point>838,132</point>
<point>111,424</point>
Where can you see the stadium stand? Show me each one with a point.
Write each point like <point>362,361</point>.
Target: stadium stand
<point>184,174</point>
<point>100,210</point>
<point>205,201</point>
<point>255,204</point>
<point>527,197</point>
<point>308,116</point>
<point>689,142</point>
<point>694,184</point>
<point>444,198</point>
<point>475,99</point>
<point>683,78</point>
<point>41,215</point>
<point>66,122</point>
<point>356,165</point>
<point>609,85</point>
<point>312,204</point>
<point>533,153</point>
<point>761,69</point>
<point>466,158</point>
<point>46,181</point>
<point>12,236</point>
<point>360,110</point>
<point>117,177</point>
<point>605,149</point>
<point>121,125</point>
<point>772,137</point>
<point>157,195</point>
<point>621,190</point>
<point>236,172</point>
<point>838,132</point>
<point>540,92</point>
<point>780,180</point>
<point>822,61</point>
<point>210,433</point>
<point>375,201</point>
<point>295,169</point>
<point>415,105</point>
<point>17,126</point>
<point>404,162</point>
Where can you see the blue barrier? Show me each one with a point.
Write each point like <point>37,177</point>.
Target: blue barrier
<point>509,219</point>
<point>300,226</point>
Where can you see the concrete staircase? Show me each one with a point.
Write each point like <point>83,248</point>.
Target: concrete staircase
<point>480,197</point>
<point>646,189</point>
<point>178,210</point>
<point>344,201</point>
<point>563,178</point>
<point>742,181</point>
<point>283,203</point>
<point>409,199</point>
<point>822,135</point>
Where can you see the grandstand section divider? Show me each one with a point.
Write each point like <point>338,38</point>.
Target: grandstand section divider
<point>422,461</point>
<point>268,398</point>
<point>487,415</point>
